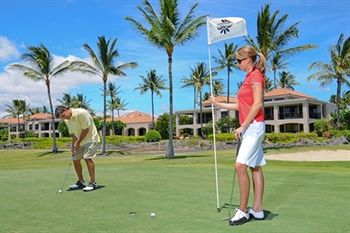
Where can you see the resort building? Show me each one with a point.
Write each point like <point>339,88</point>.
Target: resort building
<point>285,111</point>
<point>137,123</point>
<point>39,123</point>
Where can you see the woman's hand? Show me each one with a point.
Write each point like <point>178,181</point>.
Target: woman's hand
<point>239,131</point>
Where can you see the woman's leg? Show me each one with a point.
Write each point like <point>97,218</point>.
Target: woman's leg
<point>258,184</point>
<point>243,179</point>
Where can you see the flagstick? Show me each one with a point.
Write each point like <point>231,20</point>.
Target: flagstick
<point>214,138</point>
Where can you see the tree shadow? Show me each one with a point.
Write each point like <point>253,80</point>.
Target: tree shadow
<point>49,153</point>
<point>119,152</point>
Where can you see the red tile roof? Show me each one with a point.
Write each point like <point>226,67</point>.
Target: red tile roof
<point>11,121</point>
<point>133,117</point>
<point>40,116</point>
<point>285,91</point>
<point>222,99</point>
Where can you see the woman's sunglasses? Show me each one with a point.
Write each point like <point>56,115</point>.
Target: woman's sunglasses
<point>240,60</point>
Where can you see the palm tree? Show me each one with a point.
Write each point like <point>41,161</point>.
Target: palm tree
<point>190,81</point>
<point>272,38</point>
<point>287,80</point>
<point>277,64</point>
<point>120,105</point>
<point>112,92</point>
<point>338,69</point>
<point>103,66</point>
<point>42,68</point>
<point>165,30</point>
<point>154,84</point>
<point>80,101</point>
<point>227,59</point>
<point>67,100</point>
<point>201,77</point>
<point>16,110</point>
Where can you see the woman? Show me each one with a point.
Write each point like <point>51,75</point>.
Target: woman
<point>251,133</point>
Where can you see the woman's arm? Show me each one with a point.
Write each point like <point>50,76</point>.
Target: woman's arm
<point>232,106</point>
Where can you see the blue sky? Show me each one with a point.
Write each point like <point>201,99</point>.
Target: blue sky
<point>64,26</point>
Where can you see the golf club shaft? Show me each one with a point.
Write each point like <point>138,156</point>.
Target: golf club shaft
<point>65,178</point>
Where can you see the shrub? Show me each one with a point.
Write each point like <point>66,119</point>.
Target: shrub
<point>153,136</point>
<point>4,134</point>
<point>321,126</point>
<point>116,140</point>
<point>223,137</point>
<point>340,133</point>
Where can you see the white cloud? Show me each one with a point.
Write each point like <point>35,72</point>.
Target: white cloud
<point>8,49</point>
<point>15,86</point>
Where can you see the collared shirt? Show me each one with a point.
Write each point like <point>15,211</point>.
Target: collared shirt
<point>246,98</point>
<point>80,120</point>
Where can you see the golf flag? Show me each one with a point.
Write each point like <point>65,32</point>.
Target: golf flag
<point>225,28</point>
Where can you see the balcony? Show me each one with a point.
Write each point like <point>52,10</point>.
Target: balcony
<point>290,115</point>
<point>315,115</point>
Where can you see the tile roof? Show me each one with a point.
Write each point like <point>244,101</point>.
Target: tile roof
<point>133,117</point>
<point>222,99</point>
<point>11,121</point>
<point>285,91</point>
<point>40,116</point>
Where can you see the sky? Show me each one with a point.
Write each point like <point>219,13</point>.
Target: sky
<point>63,26</point>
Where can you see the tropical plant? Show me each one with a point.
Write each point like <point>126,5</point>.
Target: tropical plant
<point>337,70</point>
<point>287,80</point>
<point>165,30</point>
<point>42,68</point>
<point>277,64</point>
<point>112,91</point>
<point>162,125</point>
<point>227,124</point>
<point>227,59</point>
<point>103,66</point>
<point>16,110</point>
<point>116,104</point>
<point>200,76</point>
<point>153,83</point>
<point>35,110</point>
<point>272,38</point>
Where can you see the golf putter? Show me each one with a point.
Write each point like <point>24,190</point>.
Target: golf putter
<point>65,178</point>
<point>230,205</point>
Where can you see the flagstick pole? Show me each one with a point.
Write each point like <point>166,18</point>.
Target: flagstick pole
<point>214,133</point>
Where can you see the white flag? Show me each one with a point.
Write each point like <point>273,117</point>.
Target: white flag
<point>225,28</point>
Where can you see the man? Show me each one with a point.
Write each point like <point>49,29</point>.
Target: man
<point>84,144</point>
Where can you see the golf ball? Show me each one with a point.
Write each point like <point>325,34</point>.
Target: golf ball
<point>153,215</point>
<point>60,191</point>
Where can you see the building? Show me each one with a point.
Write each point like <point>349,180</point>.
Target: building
<point>137,123</point>
<point>40,123</point>
<point>285,111</point>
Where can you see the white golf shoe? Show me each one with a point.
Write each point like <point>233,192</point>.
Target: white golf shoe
<point>258,215</point>
<point>239,218</point>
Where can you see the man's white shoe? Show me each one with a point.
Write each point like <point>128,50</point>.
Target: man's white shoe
<point>239,218</point>
<point>258,215</point>
<point>90,187</point>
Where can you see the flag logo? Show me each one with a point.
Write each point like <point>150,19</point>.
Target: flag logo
<point>224,26</point>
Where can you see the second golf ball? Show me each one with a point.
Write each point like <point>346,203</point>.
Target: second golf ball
<point>153,215</point>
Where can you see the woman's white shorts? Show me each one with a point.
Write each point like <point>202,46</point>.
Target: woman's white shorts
<point>251,151</point>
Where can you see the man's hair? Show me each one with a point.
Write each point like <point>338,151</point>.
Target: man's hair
<point>59,109</point>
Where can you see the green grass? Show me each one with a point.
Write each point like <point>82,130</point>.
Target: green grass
<point>300,196</point>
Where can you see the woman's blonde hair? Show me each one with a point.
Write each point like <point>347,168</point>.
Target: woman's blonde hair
<point>249,51</point>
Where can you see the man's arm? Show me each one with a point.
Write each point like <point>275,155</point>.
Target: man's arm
<point>76,141</point>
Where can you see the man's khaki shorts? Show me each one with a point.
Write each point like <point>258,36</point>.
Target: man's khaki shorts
<point>87,151</point>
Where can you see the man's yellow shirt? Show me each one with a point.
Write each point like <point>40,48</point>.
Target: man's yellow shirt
<point>80,120</point>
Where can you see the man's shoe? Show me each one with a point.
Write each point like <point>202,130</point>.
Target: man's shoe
<point>258,215</point>
<point>78,185</point>
<point>239,218</point>
<point>90,187</point>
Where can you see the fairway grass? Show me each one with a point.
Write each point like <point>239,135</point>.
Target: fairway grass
<point>300,197</point>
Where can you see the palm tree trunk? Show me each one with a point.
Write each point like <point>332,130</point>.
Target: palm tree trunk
<point>228,86</point>
<point>114,130</point>
<point>274,79</point>
<point>338,101</point>
<point>53,128</point>
<point>153,126</point>
<point>201,112</point>
<point>194,97</point>
<point>103,149</point>
<point>170,151</point>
